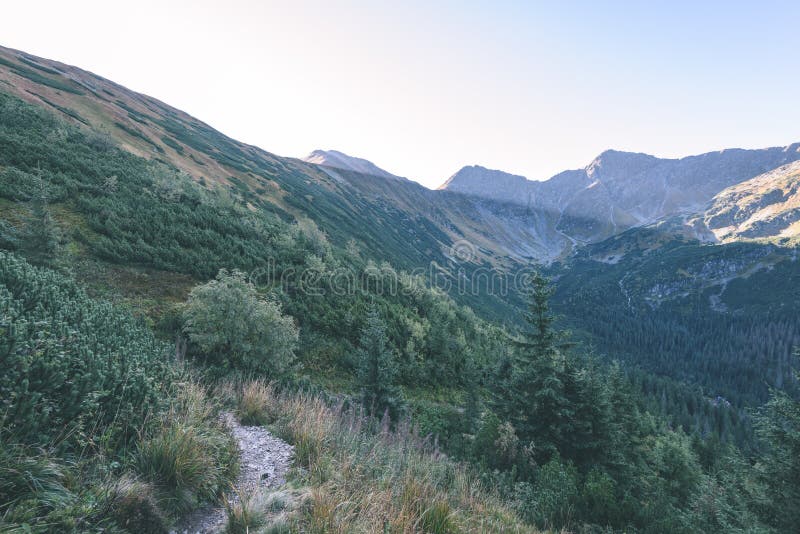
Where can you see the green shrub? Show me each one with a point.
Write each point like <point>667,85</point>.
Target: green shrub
<point>231,327</point>
<point>72,365</point>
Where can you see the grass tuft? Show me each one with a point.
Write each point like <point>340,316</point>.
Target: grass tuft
<point>246,513</point>
<point>134,507</point>
<point>189,457</point>
<point>253,402</point>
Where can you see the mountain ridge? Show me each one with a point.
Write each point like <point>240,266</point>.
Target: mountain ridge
<point>511,219</point>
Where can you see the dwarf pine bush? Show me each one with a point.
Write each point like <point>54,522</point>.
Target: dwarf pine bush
<point>71,365</point>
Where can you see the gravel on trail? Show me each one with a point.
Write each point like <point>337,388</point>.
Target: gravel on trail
<point>264,459</point>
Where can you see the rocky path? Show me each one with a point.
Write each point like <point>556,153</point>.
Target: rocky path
<point>264,459</point>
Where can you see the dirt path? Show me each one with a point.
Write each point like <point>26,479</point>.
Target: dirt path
<point>264,460</point>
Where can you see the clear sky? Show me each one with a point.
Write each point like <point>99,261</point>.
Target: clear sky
<point>423,88</point>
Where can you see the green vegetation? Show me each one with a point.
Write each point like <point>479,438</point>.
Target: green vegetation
<point>778,424</point>
<point>90,402</point>
<point>376,369</point>
<point>59,82</point>
<point>72,366</point>
<point>701,366</point>
<point>188,455</point>
<point>577,447</point>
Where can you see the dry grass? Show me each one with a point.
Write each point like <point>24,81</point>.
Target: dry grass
<point>252,404</point>
<point>365,478</point>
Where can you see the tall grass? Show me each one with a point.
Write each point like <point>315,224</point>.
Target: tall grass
<point>252,404</point>
<point>188,457</point>
<point>367,478</point>
<point>31,484</point>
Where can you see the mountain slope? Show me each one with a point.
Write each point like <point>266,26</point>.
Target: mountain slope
<point>762,207</point>
<point>396,221</point>
<point>505,218</point>
<point>721,316</point>
<point>145,127</point>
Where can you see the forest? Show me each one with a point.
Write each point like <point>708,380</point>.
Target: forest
<point>134,307</point>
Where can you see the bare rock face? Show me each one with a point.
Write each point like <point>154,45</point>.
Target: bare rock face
<point>765,206</point>
<point>620,190</point>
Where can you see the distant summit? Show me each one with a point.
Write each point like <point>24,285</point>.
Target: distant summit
<point>487,183</point>
<point>340,160</point>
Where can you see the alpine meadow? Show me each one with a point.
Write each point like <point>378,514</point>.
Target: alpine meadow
<point>198,335</point>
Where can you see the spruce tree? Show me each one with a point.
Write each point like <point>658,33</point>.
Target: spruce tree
<point>778,425</point>
<point>534,397</point>
<point>376,368</point>
<point>472,399</point>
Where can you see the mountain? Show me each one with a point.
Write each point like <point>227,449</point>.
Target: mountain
<point>394,220</point>
<point>340,160</point>
<point>600,221</point>
<point>505,218</point>
<point>619,190</point>
<point>487,183</point>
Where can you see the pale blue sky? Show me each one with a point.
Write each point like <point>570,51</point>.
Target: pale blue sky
<point>423,88</point>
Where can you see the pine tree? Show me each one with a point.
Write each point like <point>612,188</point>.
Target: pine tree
<point>377,369</point>
<point>472,399</point>
<point>41,236</point>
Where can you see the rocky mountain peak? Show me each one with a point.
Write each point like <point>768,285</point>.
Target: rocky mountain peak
<point>340,160</point>
<point>613,164</point>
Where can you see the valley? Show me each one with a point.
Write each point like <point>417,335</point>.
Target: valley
<point>157,275</point>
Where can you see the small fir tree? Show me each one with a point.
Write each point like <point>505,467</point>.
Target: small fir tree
<point>377,369</point>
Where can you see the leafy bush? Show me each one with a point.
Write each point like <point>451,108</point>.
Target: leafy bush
<point>231,327</point>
